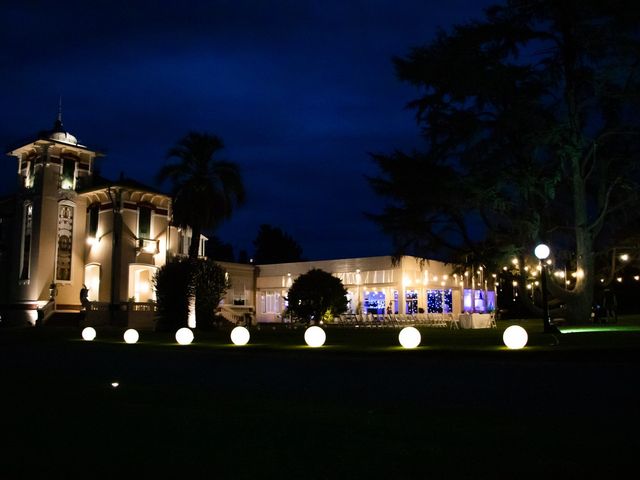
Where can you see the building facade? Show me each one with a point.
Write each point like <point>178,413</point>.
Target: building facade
<point>68,230</point>
<point>380,286</point>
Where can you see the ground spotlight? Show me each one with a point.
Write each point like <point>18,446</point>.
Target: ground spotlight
<point>89,333</point>
<point>409,337</point>
<point>131,335</point>
<point>315,336</point>
<point>240,336</point>
<point>184,336</point>
<point>515,337</point>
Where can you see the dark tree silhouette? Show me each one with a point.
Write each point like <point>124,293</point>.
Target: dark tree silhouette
<point>205,190</point>
<point>216,249</point>
<point>272,245</point>
<point>316,295</point>
<point>530,130</point>
<point>173,284</point>
<point>179,280</point>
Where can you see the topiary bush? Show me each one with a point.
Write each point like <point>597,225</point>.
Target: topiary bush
<point>177,281</point>
<point>317,295</point>
<point>174,287</point>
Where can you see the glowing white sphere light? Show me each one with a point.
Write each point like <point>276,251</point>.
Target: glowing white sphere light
<point>184,336</point>
<point>89,333</point>
<point>542,251</point>
<point>240,336</point>
<point>131,335</point>
<point>315,336</point>
<point>515,337</point>
<point>409,337</point>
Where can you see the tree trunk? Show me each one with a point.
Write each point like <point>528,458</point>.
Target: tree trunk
<point>579,300</point>
<point>194,246</point>
<point>194,250</point>
<point>579,305</point>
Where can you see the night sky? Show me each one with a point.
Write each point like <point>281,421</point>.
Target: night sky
<point>300,92</point>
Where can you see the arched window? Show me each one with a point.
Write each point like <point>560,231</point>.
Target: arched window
<point>92,281</point>
<point>141,282</point>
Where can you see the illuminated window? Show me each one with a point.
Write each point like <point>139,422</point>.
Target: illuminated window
<point>439,301</point>
<point>468,300</point>
<point>478,300</point>
<point>395,302</point>
<point>25,257</point>
<point>375,303</point>
<point>201,246</point>
<point>144,222</point>
<point>491,300</point>
<point>93,214</point>
<point>185,241</point>
<point>411,302</point>
<point>141,282</point>
<point>270,302</point>
<point>67,179</point>
<point>92,281</point>
<point>239,298</point>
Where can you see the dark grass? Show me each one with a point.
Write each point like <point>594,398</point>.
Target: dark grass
<point>460,406</point>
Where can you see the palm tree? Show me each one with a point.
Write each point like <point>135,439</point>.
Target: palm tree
<point>205,190</point>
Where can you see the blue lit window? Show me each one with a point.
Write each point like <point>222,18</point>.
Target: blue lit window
<point>395,302</point>
<point>374,302</point>
<point>439,301</point>
<point>411,302</point>
<point>475,301</point>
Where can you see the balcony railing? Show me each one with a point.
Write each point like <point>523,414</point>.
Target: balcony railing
<point>147,245</point>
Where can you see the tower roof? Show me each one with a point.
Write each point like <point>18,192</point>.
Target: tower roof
<point>58,133</point>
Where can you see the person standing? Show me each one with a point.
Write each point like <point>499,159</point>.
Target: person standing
<point>610,305</point>
<point>84,297</point>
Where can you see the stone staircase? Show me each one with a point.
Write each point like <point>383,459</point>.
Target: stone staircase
<point>64,319</point>
<point>235,314</point>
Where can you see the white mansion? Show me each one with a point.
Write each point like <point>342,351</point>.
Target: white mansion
<point>66,227</point>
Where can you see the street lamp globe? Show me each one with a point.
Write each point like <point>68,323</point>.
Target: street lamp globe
<point>542,251</point>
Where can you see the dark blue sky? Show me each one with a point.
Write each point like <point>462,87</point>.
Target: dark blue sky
<point>300,92</point>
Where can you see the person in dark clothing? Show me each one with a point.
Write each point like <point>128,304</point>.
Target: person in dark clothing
<point>610,306</point>
<point>84,296</point>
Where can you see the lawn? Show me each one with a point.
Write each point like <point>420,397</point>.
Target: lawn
<point>459,406</point>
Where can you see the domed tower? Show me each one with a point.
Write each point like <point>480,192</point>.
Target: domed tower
<point>50,217</point>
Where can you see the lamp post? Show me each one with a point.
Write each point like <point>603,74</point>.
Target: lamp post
<point>542,252</point>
